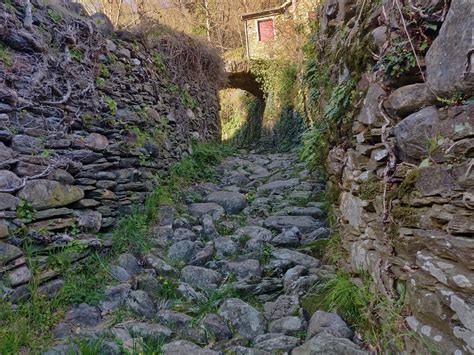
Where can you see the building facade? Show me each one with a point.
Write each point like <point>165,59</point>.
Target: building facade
<point>266,30</point>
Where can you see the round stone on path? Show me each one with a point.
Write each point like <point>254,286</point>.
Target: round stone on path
<point>290,325</point>
<point>210,208</point>
<point>183,250</point>
<point>245,319</point>
<point>325,322</point>
<point>232,202</point>
<point>200,277</point>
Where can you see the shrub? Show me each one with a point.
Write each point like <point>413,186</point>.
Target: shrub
<point>184,56</point>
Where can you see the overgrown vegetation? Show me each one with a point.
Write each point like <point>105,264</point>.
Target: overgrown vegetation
<point>28,324</point>
<point>131,232</point>
<point>376,318</point>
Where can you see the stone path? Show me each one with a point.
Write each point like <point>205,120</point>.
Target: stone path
<point>236,268</point>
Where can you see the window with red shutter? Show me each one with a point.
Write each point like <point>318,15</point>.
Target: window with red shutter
<point>265,30</point>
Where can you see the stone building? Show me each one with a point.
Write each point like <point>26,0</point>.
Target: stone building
<point>265,30</point>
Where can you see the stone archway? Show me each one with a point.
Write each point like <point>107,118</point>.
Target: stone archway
<point>241,77</point>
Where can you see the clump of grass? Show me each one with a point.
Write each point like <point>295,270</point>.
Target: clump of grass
<point>408,183</point>
<point>27,325</point>
<point>377,318</point>
<point>369,189</point>
<point>405,215</point>
<point>131,234</point>
<point>212,302</point>
<point>86,282</point>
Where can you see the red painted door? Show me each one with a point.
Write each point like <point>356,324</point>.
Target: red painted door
<point>265,30</point>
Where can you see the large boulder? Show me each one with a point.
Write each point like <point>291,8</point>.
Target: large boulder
<point>44,194</point>
<point>183,250</point>
<point>216,326</point>
<point>232,202</point>
<point>278,344</point>
<point>255,232</point>
<point>290,325</point>
<point>416,133</point>
<point>449,61</point>
<point>148,330</point>
<point>410,98</point>
<point>246,320</point>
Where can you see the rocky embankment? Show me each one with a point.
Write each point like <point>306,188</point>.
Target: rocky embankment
<point>239,260</point>
<point>88,119</point>
<point>404,175</point>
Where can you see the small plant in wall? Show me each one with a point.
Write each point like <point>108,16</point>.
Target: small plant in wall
<point>75,53</point>
<point>111,105</point>
<point>5,57</point>
<point>54,16</point>
<point>398,60</point>
<point>25,211</point>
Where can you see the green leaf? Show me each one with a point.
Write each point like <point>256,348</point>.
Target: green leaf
<point>425,163</point>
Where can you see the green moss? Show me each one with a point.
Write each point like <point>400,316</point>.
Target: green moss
<point>5,57</point>
<point>188,100</point>
<point>405,216</point>
<point>54,16</point>
<point>25,211</point>
<point>371,188</point>
<point>111,105</point>
<point>408,183</point>
<point>158,62</point>
<point>104,71</point>
<point>75,53</point>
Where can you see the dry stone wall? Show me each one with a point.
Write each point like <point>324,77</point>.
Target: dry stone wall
<point>88,119</point>
<point>406,178</point>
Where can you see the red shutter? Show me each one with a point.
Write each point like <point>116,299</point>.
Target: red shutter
<point>265,30</point>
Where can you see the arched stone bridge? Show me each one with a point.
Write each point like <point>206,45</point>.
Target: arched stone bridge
<point>240,77</point>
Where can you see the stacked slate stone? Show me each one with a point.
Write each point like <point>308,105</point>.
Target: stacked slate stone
<point>419,225</point>
<point>241,261</point>
<point>87,121</point>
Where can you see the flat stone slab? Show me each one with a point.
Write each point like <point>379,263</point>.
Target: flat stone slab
<point>305,224</point>
<point>296,257</point>
<point>279,185</point>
